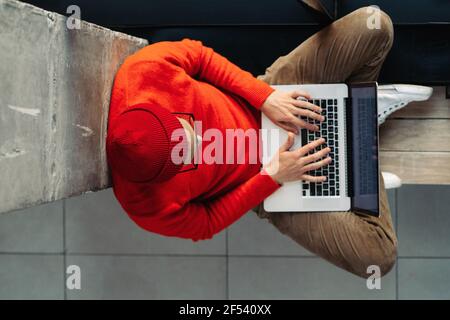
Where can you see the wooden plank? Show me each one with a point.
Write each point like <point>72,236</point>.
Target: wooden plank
<point>437,107</point>
<point>415,135</point>
<point>417,167</point>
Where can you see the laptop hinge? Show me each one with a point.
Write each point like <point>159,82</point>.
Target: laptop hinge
<point>349,141</point>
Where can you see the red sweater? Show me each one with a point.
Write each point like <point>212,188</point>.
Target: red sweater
<point>185,76</point>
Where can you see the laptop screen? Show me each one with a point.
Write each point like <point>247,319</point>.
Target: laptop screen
<point>365,148</point>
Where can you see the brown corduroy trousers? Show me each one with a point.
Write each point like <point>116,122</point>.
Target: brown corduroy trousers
<point>345,51</point>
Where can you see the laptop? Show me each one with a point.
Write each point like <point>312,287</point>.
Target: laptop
<point>351,131</point>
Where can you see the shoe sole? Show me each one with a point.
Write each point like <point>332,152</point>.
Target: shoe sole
<point>420,93</point>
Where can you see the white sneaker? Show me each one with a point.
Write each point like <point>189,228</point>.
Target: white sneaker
<point>391,181</point>
<point>393,97</point>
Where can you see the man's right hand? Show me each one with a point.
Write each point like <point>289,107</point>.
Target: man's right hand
<point>294,165</point>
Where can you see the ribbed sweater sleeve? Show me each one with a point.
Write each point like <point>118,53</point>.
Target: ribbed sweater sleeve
<point>202,220</point>
<point>204,64</point>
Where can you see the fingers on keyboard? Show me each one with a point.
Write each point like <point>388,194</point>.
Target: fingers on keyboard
<point>328,131</point>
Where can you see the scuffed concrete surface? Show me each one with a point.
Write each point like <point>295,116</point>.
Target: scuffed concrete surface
<point>54,97</point>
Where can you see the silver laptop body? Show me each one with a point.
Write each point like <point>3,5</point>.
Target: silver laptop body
<point>299,196</point>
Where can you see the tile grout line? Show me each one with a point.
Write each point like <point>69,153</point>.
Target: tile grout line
<point>258,256</point>
<point>31,253</point>
<point>156,255</point>
<point>64,249</point>
<point>396,232</point>
<point>171,255</point>
<point>227,267</point>
<point>425,257</point>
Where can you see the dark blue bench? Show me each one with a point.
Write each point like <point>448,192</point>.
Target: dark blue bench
<point>254,33</point>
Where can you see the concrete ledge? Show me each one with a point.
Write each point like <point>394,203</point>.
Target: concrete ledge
<point>55,87</point>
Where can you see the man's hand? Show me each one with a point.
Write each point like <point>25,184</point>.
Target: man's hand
<point>294,165</point>
<point>283,108</point>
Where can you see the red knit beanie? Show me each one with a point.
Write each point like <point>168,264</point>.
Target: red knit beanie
<point>139,144</point>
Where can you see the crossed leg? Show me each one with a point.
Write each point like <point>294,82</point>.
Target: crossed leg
<point>346,50</point>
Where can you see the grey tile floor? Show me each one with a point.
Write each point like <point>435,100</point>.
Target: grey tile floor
<point>250,260</point>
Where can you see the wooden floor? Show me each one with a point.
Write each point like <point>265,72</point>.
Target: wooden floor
<point>415,141</point>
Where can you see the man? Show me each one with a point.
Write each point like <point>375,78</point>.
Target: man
<point>163,88</point>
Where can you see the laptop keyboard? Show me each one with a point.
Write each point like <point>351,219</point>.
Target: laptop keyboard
<point>329,131</point>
